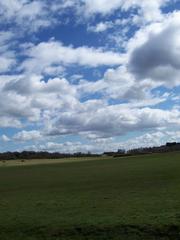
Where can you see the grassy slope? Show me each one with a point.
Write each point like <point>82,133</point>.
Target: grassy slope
<point>11,163</point>
<point>130,198</point>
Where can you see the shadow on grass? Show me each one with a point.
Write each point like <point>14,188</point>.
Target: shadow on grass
<point>121,232</point>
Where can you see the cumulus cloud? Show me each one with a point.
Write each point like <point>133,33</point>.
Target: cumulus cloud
<point>31,15</point>
<point>27,135</point>
<point>102,145</point>
<point>10,121</point>
<point>48,86</point>
<point>6,63</point>
<point>7,55</point>
<point>112,120</point>
<point>28,97</point>
<point>54,53</point>
<point>5,138</point>
<point>155,52</point>
<point>149,9</point>
<point>24,13</point>
<point>100,27</point>
<point>14,106</point>
<point>120,84</point>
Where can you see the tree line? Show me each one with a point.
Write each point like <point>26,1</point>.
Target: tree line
<point>168,147</point>
<point>41,155</point>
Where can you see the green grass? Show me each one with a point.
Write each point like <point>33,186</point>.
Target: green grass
<point>27,162</point>
<point>122,198</point>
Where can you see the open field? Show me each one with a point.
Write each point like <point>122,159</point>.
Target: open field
<point>11,163</point>
<point>129,198</point>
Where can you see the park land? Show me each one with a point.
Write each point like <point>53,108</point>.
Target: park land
<point>96,198</point>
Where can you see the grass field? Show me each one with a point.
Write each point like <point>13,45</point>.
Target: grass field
<point>122,198</point>
<point>23,162</point>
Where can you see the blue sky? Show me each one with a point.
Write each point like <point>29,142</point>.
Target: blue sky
<point>89,75</point>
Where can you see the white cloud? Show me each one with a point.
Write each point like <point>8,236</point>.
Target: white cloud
<point>102,145</point>
<point>23,97</point>
<point>10,121</point>
<point>109,121</point>
<point>44,85</point>
<point>5,138</point>
<point>32,15</point>
<point>28,15</point>
<point>7,55</point>
<point>100,27</point>
<point>154,52</point>
<point>53,53</point>
<point>149,9</point>
<point>121,85</point>
<point>27,136</point>
<point>6,63</point>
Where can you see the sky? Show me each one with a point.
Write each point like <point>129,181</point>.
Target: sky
<point>89,75</point>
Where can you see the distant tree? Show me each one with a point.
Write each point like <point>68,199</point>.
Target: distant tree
<point>170,144</point>
<point>121,151</point>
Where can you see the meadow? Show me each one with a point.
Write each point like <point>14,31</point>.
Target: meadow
<point>129,198</point>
